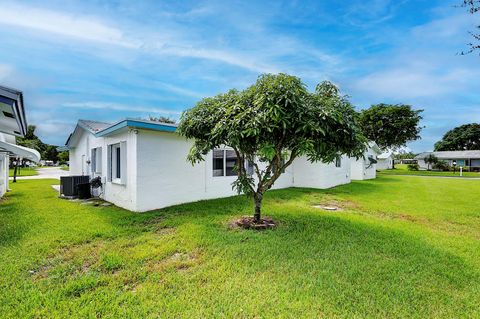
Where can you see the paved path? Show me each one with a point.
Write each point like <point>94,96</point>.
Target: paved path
<point>46,172</point>
<point>433,176</point>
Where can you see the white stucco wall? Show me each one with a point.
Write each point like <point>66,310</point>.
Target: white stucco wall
<point>385,163</point>
<point>320,175</point>
<point>4,159</point>
<point>361,169</point>
<point>164,176</point>
<point>5,163</point>
<point>121,195</point>
<point>158,174</point>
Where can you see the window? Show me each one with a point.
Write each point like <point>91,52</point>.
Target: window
<point>218,162</point>
<point>230,162</point>
<point>250,168</point>
<point>338,161</point>
<point>282,162</point>
<point>224,162</point>
<point>117,163</point>
<point>96,160</point>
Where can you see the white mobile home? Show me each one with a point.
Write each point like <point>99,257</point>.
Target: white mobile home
<point>12,123</point>
<point>385,160</point>
<point>470,159</point>
<point>366,167</point>
<point>142,165</point>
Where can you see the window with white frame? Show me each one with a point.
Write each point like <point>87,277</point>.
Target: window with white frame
<point>117,163</point>
<point>96,160</point>
<point>224,161</point>
<point>338,161</point>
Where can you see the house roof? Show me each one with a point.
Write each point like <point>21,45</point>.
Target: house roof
<point>104,129</point>
<point>93,126</point>
<point>451,154</point>
<point>374,147</point>
<point>136,123</point>
<point>12,112</point>
<point>385,155</point>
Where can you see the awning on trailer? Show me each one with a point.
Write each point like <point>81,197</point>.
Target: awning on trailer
<point>20,151</point>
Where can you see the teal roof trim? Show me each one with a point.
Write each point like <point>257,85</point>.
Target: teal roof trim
<point>140,124</point>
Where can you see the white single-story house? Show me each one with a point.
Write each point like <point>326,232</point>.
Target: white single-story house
<point>385,160</point>
<point>366,167</point>
<point>12,123</point>
<point>143,166</point>
<point>469,159</point>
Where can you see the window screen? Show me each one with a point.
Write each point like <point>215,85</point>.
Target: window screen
<point>230,162</point>
<point>224,162</point>
<point>338,161</point>
<point>218,163</point>
<point>118,162</point>
<point>94,160</point>
<point>249,168</point>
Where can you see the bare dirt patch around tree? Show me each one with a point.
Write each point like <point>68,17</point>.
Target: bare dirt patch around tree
<point>248,222</point>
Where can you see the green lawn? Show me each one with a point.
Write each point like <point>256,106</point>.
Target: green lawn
<point>401,169</point>
<point>25,171</point>
<point>401,247</point>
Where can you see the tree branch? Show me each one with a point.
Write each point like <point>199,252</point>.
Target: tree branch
<point>241,171</point>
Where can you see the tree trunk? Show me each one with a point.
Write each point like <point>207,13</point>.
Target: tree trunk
<point>15,171</point>
<point>258,207</point>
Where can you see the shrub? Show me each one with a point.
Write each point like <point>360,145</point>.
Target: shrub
<point>413,167</point>
<point>441,166</point>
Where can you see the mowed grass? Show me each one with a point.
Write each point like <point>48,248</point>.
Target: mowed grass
<point>402,169</point>
<point>23,171</point>
<point>399,247</point>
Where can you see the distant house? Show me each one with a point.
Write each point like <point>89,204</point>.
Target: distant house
<point>142,166</point>
<point>385,160</point>
<point>470,159</point>
<point>365,167</point>
<point>12,124</point>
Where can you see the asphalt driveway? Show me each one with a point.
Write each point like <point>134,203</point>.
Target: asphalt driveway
<point>45,173</point>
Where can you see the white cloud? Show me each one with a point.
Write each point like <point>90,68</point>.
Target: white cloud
<point>119,107</point>
<point>90,28</point>
<point>167,40</point>
<point>81,27</point>
<point>178,90</point>
<point>424,63</point>
<point>412,82</point>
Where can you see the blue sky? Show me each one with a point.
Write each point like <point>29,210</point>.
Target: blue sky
<point>107,60</point>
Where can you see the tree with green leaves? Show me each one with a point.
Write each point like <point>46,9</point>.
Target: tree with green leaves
<point>162,119</point>
<point>404,155</point>
<point>462,138</point>
<point>391,126</point>
<point>273,122</point>
<point>430,160</point>
<point>50,153</point>
<point>63,157</point>
<point>31,140</point>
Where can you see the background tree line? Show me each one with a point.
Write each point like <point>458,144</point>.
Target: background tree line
<point>47,152</point>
